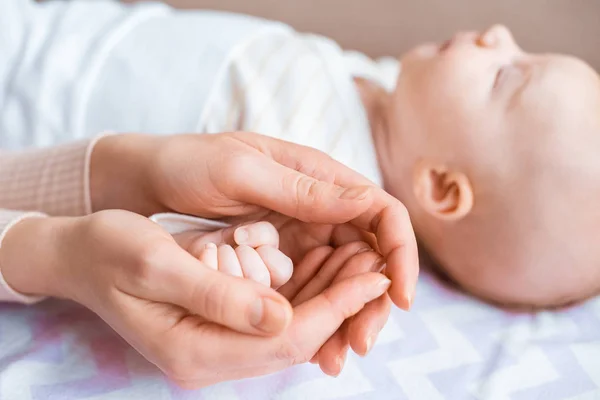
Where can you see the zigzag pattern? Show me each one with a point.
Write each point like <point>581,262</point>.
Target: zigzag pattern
<point>449,347</point>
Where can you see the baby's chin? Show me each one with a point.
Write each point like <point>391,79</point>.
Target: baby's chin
<point>419,57</point>
<point>509,292</point>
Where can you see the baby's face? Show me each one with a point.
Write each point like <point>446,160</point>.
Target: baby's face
<point>479,93</point>
<point>522,131</point>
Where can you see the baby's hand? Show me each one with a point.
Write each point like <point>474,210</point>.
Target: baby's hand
<point>250,251</point>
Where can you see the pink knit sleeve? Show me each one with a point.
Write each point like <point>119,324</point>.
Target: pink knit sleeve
<point>51,180</point>
<point>41,182</point>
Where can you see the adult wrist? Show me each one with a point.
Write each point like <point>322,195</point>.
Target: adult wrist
<point>118,174</point>
<point>30,257</point>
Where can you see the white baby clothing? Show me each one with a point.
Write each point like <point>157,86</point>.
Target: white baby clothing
<point>299,88</point>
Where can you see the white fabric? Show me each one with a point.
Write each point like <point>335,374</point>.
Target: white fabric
<point>71,69</point>
<point>178,223</point>
<point>74,69</point>
<point>298,88</point>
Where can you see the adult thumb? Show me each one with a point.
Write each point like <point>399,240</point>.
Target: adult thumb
<point>277,187</point>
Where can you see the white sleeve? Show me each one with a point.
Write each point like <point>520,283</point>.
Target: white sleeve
<point>71,69</point>
<point>383,71</point>
<point>178,223</point>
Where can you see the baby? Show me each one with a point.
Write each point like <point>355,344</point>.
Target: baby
<point>250,251</point>
<point>493,150</point>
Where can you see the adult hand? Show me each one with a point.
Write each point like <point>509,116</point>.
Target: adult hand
<point>323,267</point>
<point>243,174</point>
<point>297,238</point>
<point>198,325</point>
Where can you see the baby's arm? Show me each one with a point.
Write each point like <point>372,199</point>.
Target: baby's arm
<point>250,251</point>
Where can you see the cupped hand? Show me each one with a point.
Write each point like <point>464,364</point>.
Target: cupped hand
<point>198,325</point>
<point>351,257</point>
<point>245,175</point>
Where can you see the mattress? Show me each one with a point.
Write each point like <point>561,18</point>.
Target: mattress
<point>449,347</point>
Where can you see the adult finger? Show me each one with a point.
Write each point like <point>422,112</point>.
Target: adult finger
<point>346,233</point>
<point>314,322</point>
<point>364,327</point>
<point>352,259</point>
<point>305,271</point>
<point>283,188</point>
<point>332,355</point>
<point>382,214</point>
<point>168,274</point>
<point>331,269</point>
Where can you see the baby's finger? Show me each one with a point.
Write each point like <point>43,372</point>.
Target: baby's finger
<point>228,261</point>
<point>279,265</point>
<point>252,265</point>
<point>254,235</point>
<point>209,256</point>
<point>257,234</point>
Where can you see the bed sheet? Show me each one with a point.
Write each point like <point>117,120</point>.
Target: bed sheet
<point>449,347</point>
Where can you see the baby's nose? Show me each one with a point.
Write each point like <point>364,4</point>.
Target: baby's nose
<point>496,36</point>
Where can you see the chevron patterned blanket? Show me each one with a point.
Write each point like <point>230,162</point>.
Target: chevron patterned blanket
<point>449,347</point>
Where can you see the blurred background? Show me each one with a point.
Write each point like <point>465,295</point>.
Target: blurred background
<point>390,27</point>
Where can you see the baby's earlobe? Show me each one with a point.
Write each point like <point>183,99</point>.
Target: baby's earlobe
<point>442,193</point>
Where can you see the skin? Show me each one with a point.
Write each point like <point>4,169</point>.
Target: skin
<point>199,325</point>
<point>488,146</point>
<point>250,251</point>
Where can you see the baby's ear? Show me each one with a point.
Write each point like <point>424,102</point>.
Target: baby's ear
<point>441,192</point>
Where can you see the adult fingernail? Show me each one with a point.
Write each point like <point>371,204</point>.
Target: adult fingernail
<point>268,315</point>
<point>357,193</point>
<point>241,235</point>
<point>378,289</point>
<point>364,250</point>
<point>369,344</point>
<point>339,363</point>
<point>408,299</point>
<point>379,267</point>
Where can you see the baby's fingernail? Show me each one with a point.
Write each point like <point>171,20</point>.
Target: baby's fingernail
<point>210,246</point>
<point>269,315</point>
<point>357,193</point>
<point>241,235</point>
